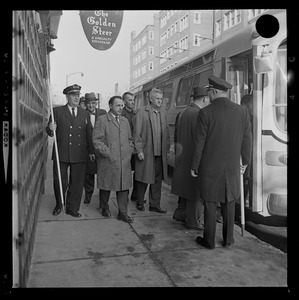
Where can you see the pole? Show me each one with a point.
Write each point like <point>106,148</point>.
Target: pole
<point>57,159</point>
<point>238,96</point>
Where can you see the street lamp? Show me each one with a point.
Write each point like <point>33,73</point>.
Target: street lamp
<point>69,75</point>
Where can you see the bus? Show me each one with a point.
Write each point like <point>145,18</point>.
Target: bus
<point>253,65</point>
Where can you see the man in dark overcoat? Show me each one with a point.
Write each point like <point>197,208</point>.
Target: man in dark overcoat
<point>74,136</point>
<point>91,102</point>
<point>130,113</point>
<point>190,208</point>
<point>114,146</point>
<point>222,136</point>
<point>151,137</point>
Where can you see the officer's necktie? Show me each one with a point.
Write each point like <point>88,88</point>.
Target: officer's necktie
<point>73,112</point>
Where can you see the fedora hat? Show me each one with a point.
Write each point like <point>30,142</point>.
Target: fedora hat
<point>90,97</point>
<point>199,91</point>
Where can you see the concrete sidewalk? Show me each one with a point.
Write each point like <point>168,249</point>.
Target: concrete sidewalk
<point>154,251</point>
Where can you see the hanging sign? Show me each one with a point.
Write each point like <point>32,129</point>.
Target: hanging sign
<point>101,27</point>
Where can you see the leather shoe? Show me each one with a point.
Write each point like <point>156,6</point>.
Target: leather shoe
<point>228,245</point>
<point>179,220</point>
<point>57,211</point>
<point>140,207</point>
<point>87,200</point>
<point>73,213</point>
<point>106,213</point>
<point>199,240</point>
<point>194,228</point>
<point>134,200</point>
<point>122,216</point>
<point>158,210</point>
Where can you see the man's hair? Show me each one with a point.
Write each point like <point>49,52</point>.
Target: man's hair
<point>246,99</point>
<point>155,91</point>
<point>127,93</point>
<point>111,100</point>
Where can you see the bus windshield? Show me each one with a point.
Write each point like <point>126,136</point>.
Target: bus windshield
<point>280,104</point>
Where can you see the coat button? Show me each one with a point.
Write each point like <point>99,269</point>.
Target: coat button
<point>71,126</point>
<point>70,143</point>
<point>79,135</point>
<point>78,144</point>
<point>70,134</point>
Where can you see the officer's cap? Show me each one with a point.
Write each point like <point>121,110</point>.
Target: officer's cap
<point>218,84</point>
<point>72,89</point>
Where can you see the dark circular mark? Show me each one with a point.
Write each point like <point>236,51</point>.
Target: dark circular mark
<point>267,26</point>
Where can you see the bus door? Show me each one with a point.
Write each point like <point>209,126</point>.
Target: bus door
<point>238,71</point>
<point>237,75</point>
<point>274,134</point>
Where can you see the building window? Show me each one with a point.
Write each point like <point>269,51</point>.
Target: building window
<point>163,20</point>
<point>183,44</point>
<point>151,35</point>
<point>143,40</point>
<point>255,12</point>
<point>151,50</point>
<point>231,18</point>
<point>143,55</point>
<point>175,26</point>
<point>218,28</point>
<point>151,65</point>
<point>184,22</point>
<point>163,39</point>
<point>196,39</point>
<point>197,17</point>
<point>143,69</point>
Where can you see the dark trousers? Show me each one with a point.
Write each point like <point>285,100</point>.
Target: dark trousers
<point>155,189</point>
<point>134,190</point>
<point>121,196</point>
<point>89,185</point>
<point>190,211</point>
<point>72,185</point>
<point>210,217</point>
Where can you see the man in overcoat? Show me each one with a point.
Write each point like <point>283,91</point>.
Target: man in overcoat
<point>114,146</point>
<point>190,208</point>
<point>222,136</point>
<point>151,137</point>
<point>74,142</point>
<point>91,102</point>
<point>130,113</point>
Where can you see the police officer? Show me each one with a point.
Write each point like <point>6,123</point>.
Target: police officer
<point>74,142</point>
<point>222,135</point>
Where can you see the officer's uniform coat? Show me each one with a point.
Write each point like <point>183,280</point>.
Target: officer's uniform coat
<point>114,146</point>
<point>91,166</point>
<point>222,134</point>
<point>143,138</point>
<point>183,184</point>
<point>73,135</point>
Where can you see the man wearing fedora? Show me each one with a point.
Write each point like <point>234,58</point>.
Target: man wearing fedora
<point>222,136</point>
<point>74,142</point>
<point>190,206</point>
<point>91,102</point>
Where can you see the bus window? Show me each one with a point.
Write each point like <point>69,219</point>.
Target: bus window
<point>280,104</point>
<point>138,100</point>
<point>167,94</point>
<point>202,78</point>
<point>183,96</point>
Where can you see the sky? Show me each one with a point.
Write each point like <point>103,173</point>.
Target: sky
<point>101,69</point>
